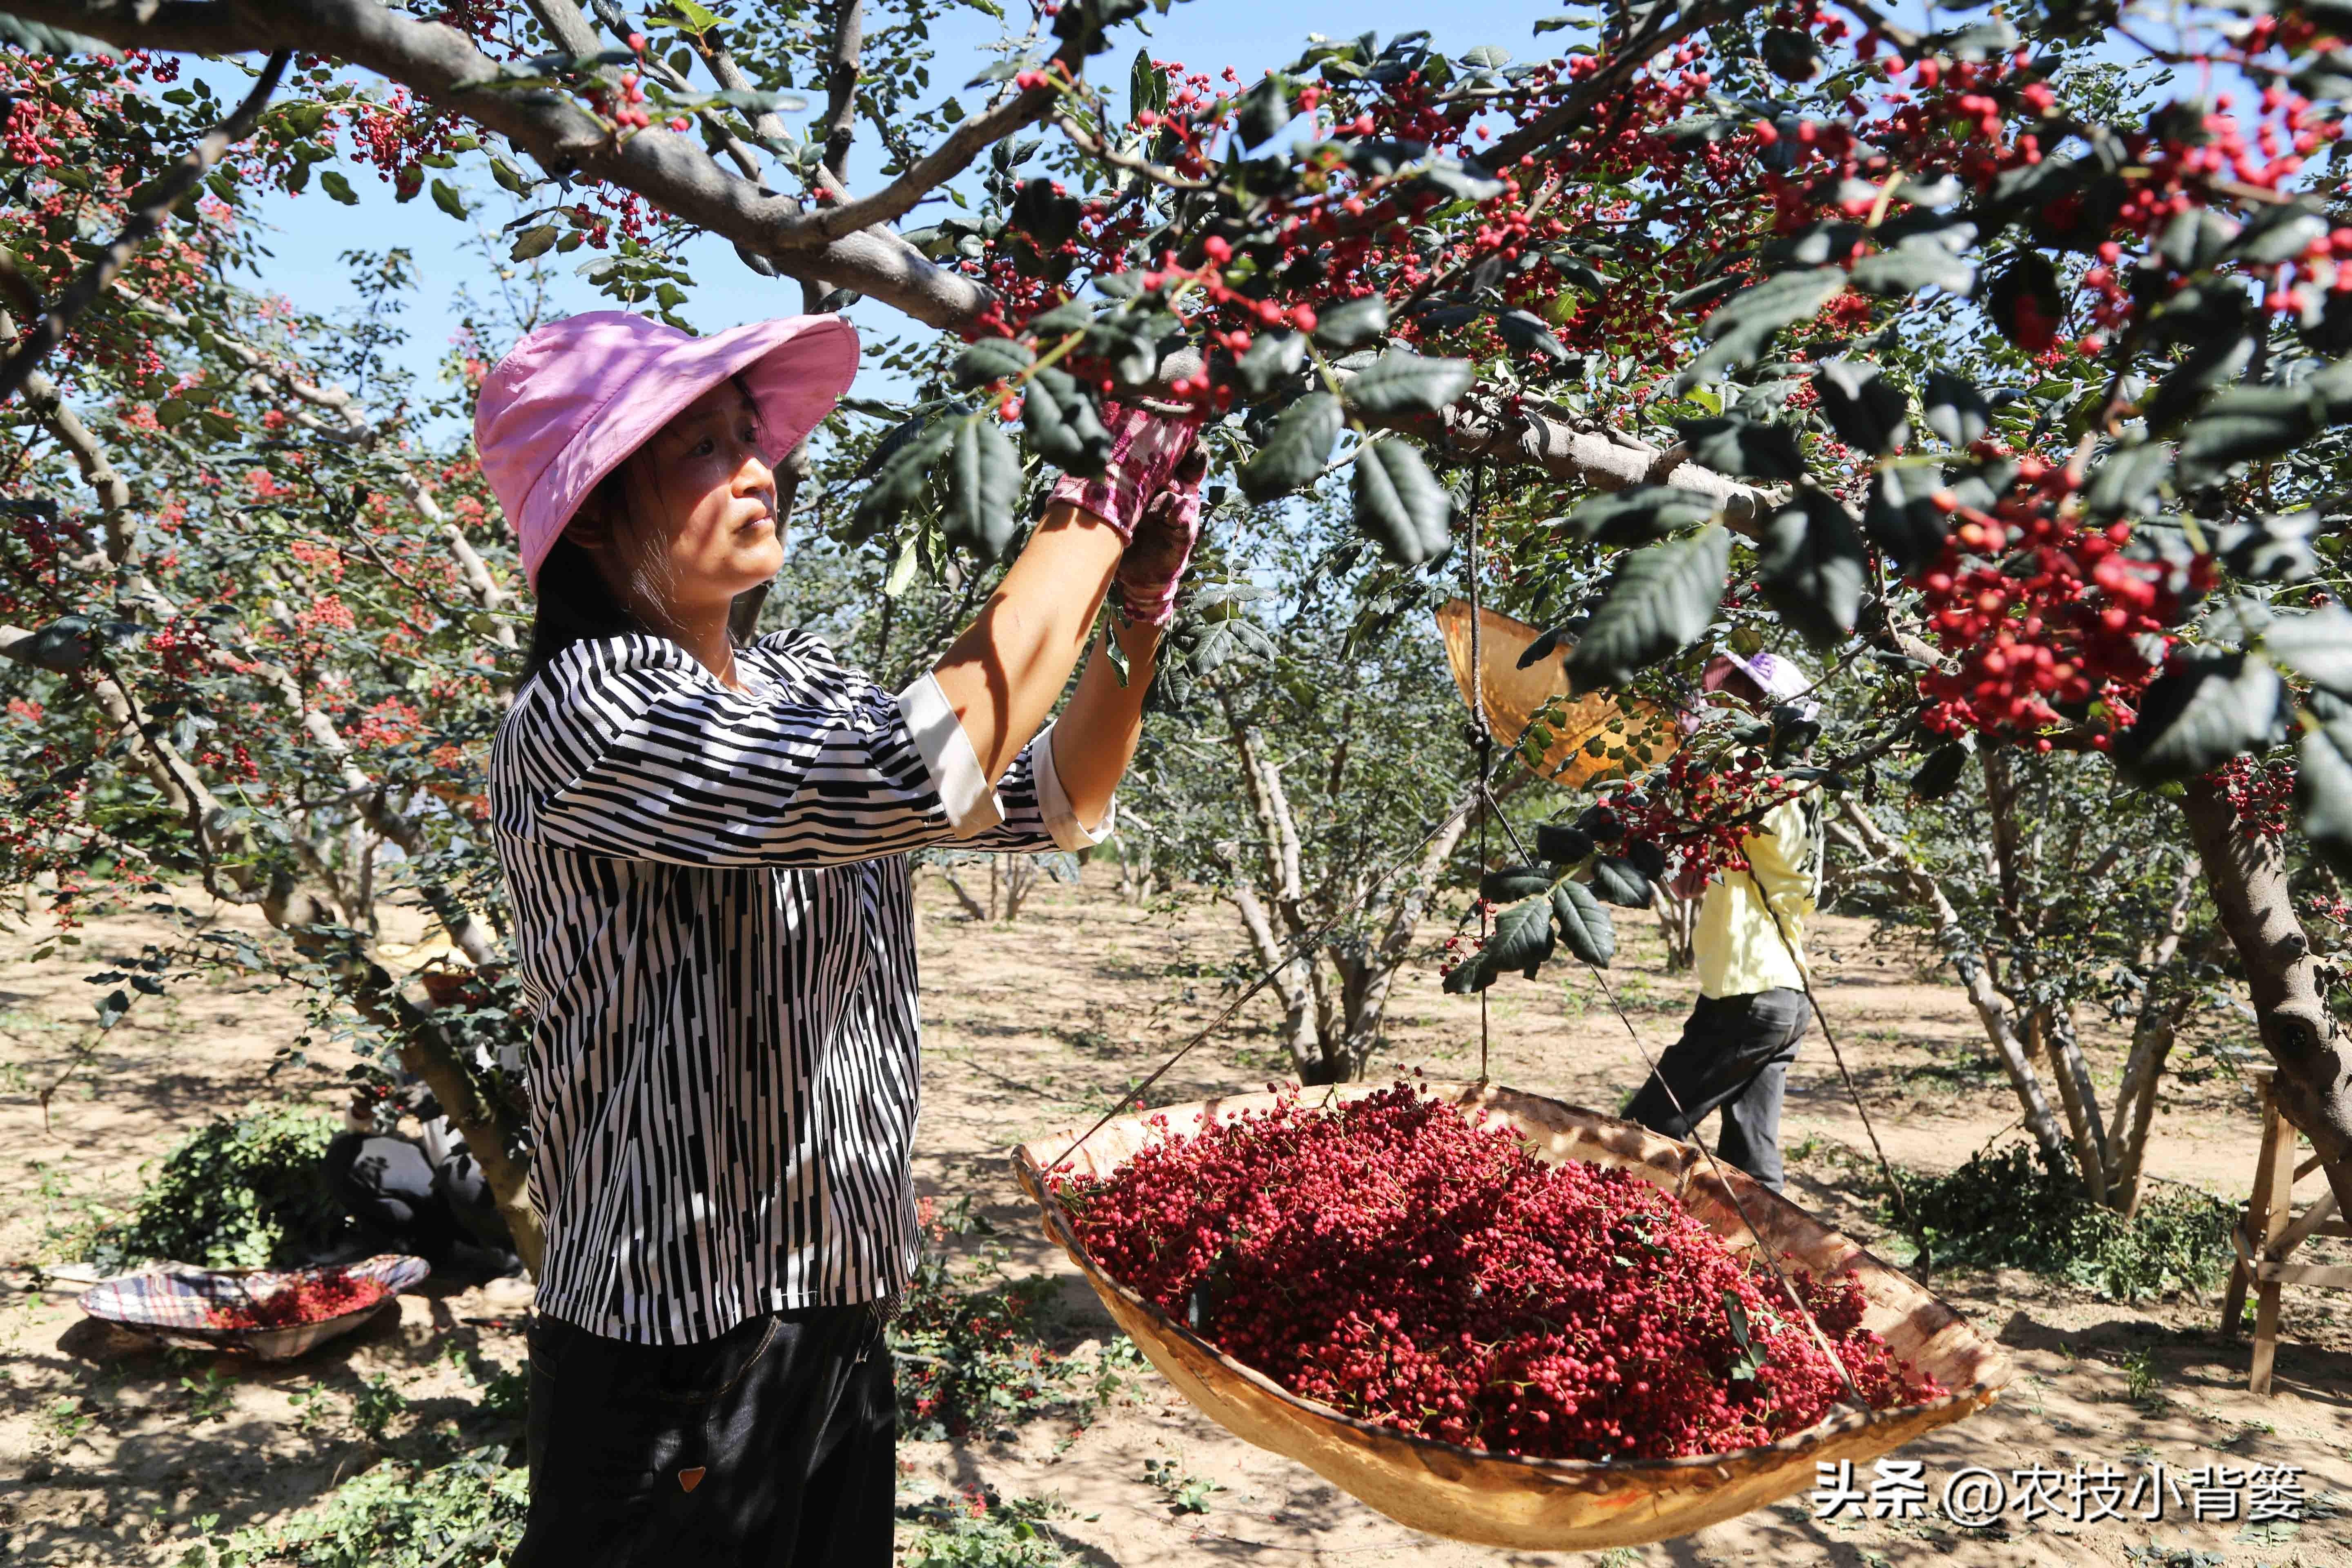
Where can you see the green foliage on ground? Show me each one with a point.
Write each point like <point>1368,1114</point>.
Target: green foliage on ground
<point>985,1357</point>
<point>238,1193</point>
<point>976,1531</point>
<point>2011,1209</point>
<point>468,1513</point>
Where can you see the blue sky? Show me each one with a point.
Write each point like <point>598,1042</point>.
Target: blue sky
<point>310,231</point>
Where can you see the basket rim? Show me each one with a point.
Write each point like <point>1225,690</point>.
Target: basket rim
<point>1032,1177</point>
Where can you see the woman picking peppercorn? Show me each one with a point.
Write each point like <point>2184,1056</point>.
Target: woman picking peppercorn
<point>706,845</point>
<point>1752,1012</point>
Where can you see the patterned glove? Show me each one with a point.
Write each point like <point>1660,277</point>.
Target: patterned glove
<point>1162,544</point>
<point>1144,447</point>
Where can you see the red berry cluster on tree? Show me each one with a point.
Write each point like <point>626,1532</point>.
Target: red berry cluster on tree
<point>1394,1259</point>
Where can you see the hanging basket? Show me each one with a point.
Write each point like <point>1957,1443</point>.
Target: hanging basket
<point>174,1302</point>
<point>1547,1505</point>
<point>1584,729</point>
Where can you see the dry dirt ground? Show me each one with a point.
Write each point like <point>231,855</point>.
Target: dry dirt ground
<point>1035,1026</point>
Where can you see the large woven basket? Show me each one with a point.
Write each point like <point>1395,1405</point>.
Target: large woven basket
<point>173,1302</point>
<point>1501,1500</point>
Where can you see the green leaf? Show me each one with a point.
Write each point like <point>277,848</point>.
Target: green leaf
<point>449,199</point>
<point>1520,941</point>
<point>1063,424</point>
<point>1586,928</point>
<point>2322,790</point>
<point>1509,884</point>
<point>991,359</point>
<point>1813,568</point>
<point>1270,361</point>
<point>1529,334</point>
<point>1743,447</point>
<point>984,483</point>
<point>1295,450</point>
<point>698,18</point>
<point>1618,882</point>
<point>900,478</point>
<point>1659,601</point>
<point>1069,316</point>
<point>2124,482</point>
<point>1351,324</point>
<point>1488,57</point>
<point>2278,234</point>
<point>1741,327</point>
<point>2209,708</point>
<point>531,242</point>
<point>2317,646</point>
<point>509,177</point>
<point>1868,412</point>
<point>1403,382</point>
<point>1145,87</point>
<point>1957,412</point>
<point>2271,548</point>
<point>339,188</point>
<point>2247,423</point>
<point>1638,514</point>
<point>1400,505</point>
<point>1264,109</point>
<point>1902,520</point>
<point>1909,267</point>
<point>1791,55</point>
<point>1561,843</point>
<point>1939,775</point>
<point>2025,302</point>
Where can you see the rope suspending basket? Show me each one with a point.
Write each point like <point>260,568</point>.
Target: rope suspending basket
<point>1495,1499</point>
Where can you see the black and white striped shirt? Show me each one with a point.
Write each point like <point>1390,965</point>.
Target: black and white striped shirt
<point>715,920</point>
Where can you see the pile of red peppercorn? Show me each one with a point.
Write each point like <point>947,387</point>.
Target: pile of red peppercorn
<point>1393,1259</point>
<point>308,1297</point>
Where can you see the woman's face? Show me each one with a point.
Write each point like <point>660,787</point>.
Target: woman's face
<point>702,522</point>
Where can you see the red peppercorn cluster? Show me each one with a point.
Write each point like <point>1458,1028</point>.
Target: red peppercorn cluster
<point>1699,809</point>
<point>2041,610</point>
<point>2259,794</point>
<point>308,1297</point>
<point>1394,1259</point>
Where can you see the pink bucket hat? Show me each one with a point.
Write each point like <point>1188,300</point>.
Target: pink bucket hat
<point>576,396</point>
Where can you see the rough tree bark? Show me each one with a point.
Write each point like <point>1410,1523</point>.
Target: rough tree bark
<point>2246,876</point>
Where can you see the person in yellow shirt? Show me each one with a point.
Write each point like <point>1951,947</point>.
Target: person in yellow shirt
<point>1751,1014</point>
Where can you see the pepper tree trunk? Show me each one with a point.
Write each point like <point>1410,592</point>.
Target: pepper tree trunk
<point>2246,876</point>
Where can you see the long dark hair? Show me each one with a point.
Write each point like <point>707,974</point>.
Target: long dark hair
<point>574,605</point>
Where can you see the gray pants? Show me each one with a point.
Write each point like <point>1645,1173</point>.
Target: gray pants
<point>1734,1056</point>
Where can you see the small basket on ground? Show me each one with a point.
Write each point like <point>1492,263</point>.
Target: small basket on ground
<point>1503,1500</point>
<point>177,1303</point>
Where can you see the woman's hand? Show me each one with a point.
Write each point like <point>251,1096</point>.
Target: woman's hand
<point>1154,564</point>
<point>1145,449</point>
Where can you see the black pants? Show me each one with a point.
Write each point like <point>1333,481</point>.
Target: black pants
<point>1734,1056</point>
<point>774,1445</point>
<point>420,1197</point>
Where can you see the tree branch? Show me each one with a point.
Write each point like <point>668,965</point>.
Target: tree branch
<point>844,244</point>
<point>841,85</point>
<point>672,171</point>
<point>155,204</point>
